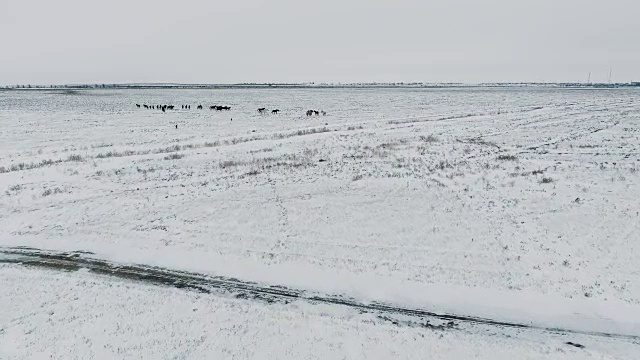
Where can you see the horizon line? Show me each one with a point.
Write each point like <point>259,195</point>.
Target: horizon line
<point>313,84</point>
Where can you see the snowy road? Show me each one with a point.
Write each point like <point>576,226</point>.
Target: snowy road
<point>67,313</point>
<point>274,293</point>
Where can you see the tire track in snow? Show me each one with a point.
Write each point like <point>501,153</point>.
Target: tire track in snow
<point>401,316</point>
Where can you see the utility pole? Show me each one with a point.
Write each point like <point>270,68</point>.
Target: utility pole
<point>610,69</point>
<point>589,79</point>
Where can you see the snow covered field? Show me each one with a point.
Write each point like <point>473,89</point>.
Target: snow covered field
<point>515,205</point>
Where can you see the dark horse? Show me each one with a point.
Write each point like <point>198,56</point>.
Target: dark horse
<point>275,111</point>
<point>261,110</point>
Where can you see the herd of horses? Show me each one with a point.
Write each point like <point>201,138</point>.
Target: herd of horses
<point>164,108</point>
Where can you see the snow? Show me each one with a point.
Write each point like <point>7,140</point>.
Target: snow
<point>88,316</point>
<point>410,206</point>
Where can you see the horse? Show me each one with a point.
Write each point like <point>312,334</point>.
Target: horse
<point>275,111</point>
<point>309,112</point>
<point>199,107</point>
<point>138,105</point>
<point>261,110</point>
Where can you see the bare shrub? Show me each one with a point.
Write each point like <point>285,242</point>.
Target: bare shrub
<point>20,166</point>
<point>174,157</point>
<point>169,149</point>
<point>120,154</point>
<point>48,192</point>
<point>429,139</point>
<point>546,180</point>
<point>444,164</point>
<point>16,187</point>
<point>212,144</point>
<point>105,155</point>
<point>261,150</point>
<point>507,157</point>
<point>229,163</point>
<point>74,157</point>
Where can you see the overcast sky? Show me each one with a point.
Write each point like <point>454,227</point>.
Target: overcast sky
<point>200,41</point>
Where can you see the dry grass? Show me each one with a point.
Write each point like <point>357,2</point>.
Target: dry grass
<point>174,157</point>
<point>230,163</point>
<point>48,192</point>
<point>14,189</point>
<point>28,166</point>
<point>429,139</point>
<point>507,157</point>
<point>74,157</point>
<point>300,132</point>
<point>169,149</point>
<point>480,141</point>
<point>118,154</point>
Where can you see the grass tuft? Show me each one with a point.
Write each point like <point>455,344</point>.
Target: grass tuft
<point>507,157</point>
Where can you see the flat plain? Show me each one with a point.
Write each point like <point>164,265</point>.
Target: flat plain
<point>517,205</point>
